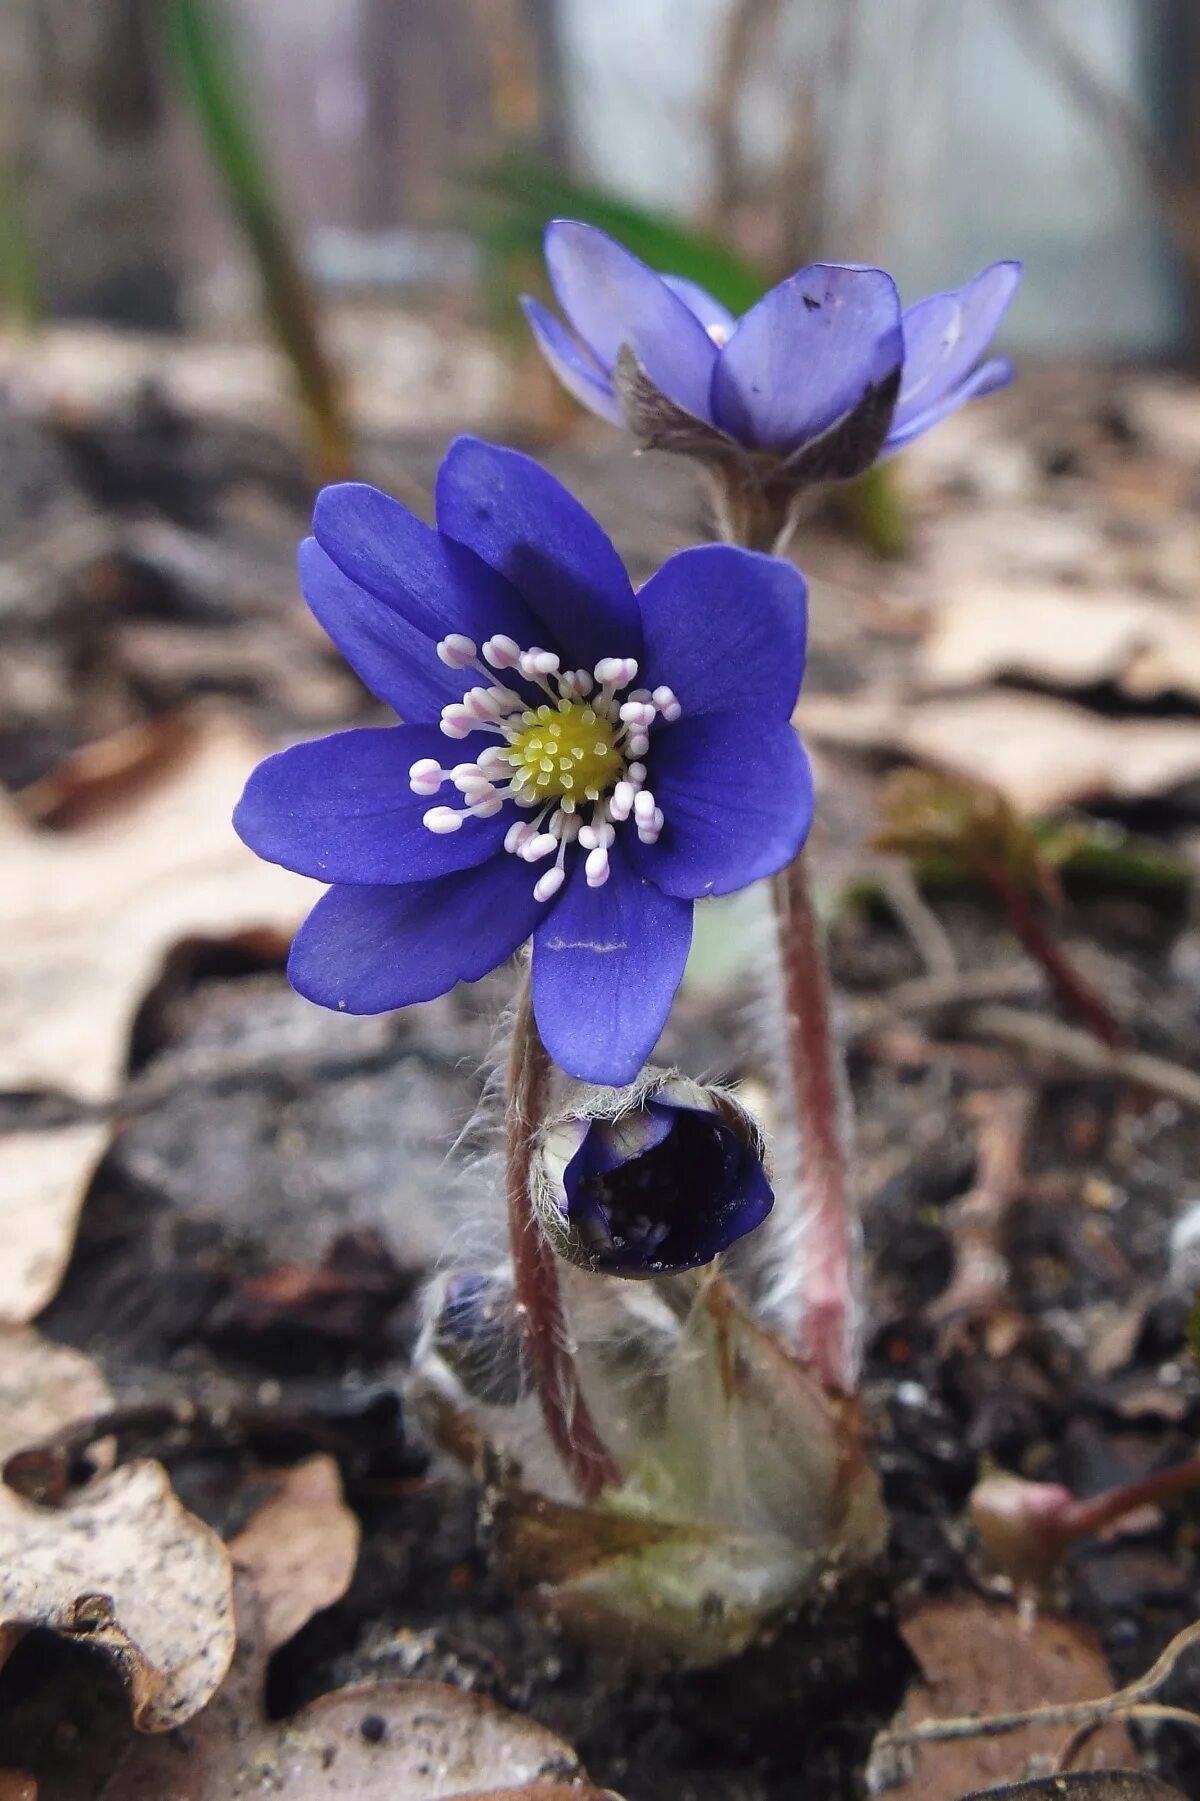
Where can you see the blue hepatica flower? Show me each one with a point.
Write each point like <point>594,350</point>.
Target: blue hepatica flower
<point>665,1186</point>
<point>579,763</point>
<point>824,373</point>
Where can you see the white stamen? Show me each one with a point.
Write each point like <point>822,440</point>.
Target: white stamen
<point>501,652</point>
<point>616,672</point>
<point>426,776</point>
<point>457,721</point>
<point>643,806</point>
<point>517,835</point>
<point>539,846</point>
<point>442,820</point>
<point>596,867</point>
<point>638,713</point>
<point>549,884</point>
<point>620,804</point>
<point>664,699</point>
<point>536,662</point>
<point>457,651</point>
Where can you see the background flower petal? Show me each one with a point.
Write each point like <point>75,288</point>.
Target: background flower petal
<point>577,370</point>
<point>945,336</point>
<point>524,523</point>
<point>397,662</point>
<point>611,298</point>
<point>737,799</point>
<point>725,628</point>
<point>701,303</point>
<point>340,809</point>
<point>369,950</point>
<point>806,354</point>
<point>997,372</point>
<point>606,964</point>
<point>436,585</point>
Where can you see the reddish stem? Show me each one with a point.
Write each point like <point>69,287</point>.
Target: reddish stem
<point>1084,1518</point>
<point>1072,987</point>
<point>544,1334</point>
<point>830,1230</point>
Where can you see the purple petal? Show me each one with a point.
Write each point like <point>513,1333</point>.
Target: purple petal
<point>369,950</point>
<point>737,796</point>
<point>806,355</point>
<point>676,1202</point>
<point>945,336</point>
<point>997,372</point>
<point>394,660</point>
<point>341,809</point>
<point>714,317</point>
<point>435,584</point>
<point>725,628</point>
<point>611,298</point>
<point>606,965</point>
<point>577,370</point>
<point>517,518</point>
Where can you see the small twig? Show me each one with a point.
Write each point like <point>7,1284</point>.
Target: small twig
<point>1050,1037</point>
<point>47,1471</point>
<point>1066,1713</point>
<point>544,1336</point>
<point>981,1274</point>
<point>1068,981</point>
<point>1146,1710</point>
<point>902,893</point>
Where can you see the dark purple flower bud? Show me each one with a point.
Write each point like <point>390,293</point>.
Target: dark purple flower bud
<point>477,1336</point>
<point>651,1181</point>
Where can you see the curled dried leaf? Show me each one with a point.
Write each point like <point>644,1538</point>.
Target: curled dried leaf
<point>123,1566</point>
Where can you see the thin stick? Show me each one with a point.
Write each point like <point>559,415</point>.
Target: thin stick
<point>830,1231</point>
<point>544,1335</point>
<point>1067,1713</point>
<point>1052,1038</point>
<point>1069,982</point>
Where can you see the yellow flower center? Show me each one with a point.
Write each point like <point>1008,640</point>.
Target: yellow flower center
<point>565,753</point>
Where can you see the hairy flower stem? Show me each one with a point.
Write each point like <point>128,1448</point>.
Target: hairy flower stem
<point>1071,986</point>
<point>544,1336</point>
<point>830,1233</point>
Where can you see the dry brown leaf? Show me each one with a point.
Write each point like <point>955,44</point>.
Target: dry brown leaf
<point>44,1387</point>
<point>125,1567</point>
<point>1043,754</point>
<point>420,1740</point>
<point>977,1657</point>
<point>1064,638</point>
<point>299,1550</point>
<point>43,1179</point>
<point>86,917</point>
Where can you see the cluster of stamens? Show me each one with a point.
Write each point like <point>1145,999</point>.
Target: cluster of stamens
<point>573,761</point>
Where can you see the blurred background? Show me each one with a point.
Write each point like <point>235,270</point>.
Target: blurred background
<point>160,159</point>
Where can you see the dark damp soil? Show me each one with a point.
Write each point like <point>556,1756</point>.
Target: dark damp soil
<point>255,1143</point>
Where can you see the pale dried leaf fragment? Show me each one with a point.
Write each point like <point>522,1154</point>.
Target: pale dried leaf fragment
<point>421,1740</point>
<point>980,1658</point>
<point>87,916</point>
<point>299,1550</point>
<point>374,1742</point>
<point>1043,754</point>
<point>43,1387</point>
<point>44,1177</point>
<point>124,1566</point>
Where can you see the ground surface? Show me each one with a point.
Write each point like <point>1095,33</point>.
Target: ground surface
<point>273,1189</point>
